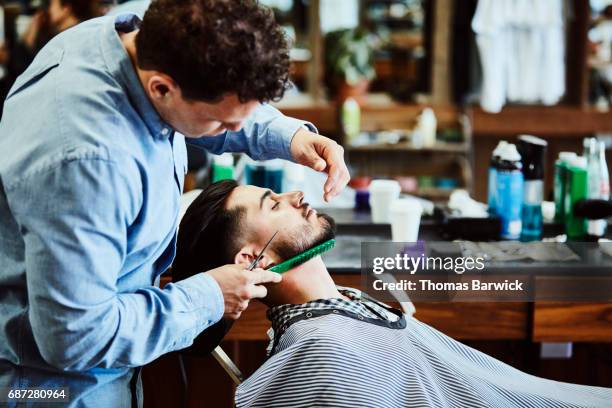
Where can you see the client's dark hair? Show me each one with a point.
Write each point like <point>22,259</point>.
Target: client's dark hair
<point>208,234</point>
<point>212,48</point>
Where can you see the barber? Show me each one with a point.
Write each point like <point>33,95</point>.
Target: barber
<point>92,163</point>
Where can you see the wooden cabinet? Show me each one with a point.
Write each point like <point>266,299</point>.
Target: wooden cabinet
<point>572,322</point>
<point>539,321</point>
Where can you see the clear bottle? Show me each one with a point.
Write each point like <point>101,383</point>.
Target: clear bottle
<point>605,175</point>
<point>594,227</point>
<point>599,184</point>
<point>586,147</point>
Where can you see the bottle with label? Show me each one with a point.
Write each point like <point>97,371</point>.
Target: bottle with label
<point>265,174</point>
<point>532,150</point>
<point>350,118</point>
<point>428,124</point>
<point>561,166</point>
<point>492,185</point>
<point>577,189</point>
<point>605,175</point>
<point>594,227</point>
<point>510,192</point>
<point>223,167</point>
<point>424,133</point>
<point>599,184</point>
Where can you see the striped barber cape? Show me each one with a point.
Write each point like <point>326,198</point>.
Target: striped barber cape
<point>362,353</point>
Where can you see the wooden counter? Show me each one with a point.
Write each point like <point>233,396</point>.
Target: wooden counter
<point>465,321</point>
<point>539,321</point>
<point>561,322</point>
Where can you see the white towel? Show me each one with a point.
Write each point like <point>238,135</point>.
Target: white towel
<point>488,24</point>
<point>522,51</point>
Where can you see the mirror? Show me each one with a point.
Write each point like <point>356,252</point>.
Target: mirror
<point>397,31</point>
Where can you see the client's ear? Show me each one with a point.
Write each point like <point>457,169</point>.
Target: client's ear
<point>248,253</point>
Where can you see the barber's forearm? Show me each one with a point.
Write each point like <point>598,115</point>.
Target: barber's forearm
<point>131,329</point>
<point>273,134</point>
<point>267,134</point>
<point>173,316</point>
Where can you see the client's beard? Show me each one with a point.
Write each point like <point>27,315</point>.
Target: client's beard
<point>305,239</point>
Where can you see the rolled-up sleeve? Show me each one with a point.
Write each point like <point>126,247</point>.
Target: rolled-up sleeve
<point>266,134</point>
<point>75,249</point>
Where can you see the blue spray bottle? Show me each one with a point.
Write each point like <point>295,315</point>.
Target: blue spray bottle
<point>492,186</point>
<point>510,192</point>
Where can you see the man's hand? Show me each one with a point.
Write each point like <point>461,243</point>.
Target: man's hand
<point>239,286</point>
<point>321,154</point>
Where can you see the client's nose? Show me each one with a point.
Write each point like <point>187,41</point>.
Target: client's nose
<point>296,198</point>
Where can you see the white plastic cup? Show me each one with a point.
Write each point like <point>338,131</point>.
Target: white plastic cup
<point>382,194</point>
<point>405,219</point>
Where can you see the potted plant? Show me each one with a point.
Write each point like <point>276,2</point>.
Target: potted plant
<point>349,63</point>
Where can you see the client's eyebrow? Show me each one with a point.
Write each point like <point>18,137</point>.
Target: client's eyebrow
<point>263,197</point>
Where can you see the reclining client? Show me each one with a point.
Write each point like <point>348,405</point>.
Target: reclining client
<point>334,346</point>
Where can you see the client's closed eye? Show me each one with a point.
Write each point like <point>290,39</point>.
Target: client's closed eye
<point>275,206</point>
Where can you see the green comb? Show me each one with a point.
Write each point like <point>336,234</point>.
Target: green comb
<point>303,257</point>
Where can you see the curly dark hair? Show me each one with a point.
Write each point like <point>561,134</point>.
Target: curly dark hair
<point>213,48</point>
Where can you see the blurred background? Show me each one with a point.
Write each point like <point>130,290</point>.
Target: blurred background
<point>365,70</point>
<point>421,92</point>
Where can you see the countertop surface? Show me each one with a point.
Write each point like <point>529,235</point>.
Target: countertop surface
<point>356,228</point>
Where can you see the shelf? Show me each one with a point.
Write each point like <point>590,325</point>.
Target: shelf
<point>438,147</point>
<point>554,121</point>
<point>378,113</point>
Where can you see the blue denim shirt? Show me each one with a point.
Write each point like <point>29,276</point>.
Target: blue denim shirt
<point>90,181</point>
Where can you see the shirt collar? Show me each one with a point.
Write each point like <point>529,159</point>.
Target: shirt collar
<point>121,68</point>
<point>280,315</point>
